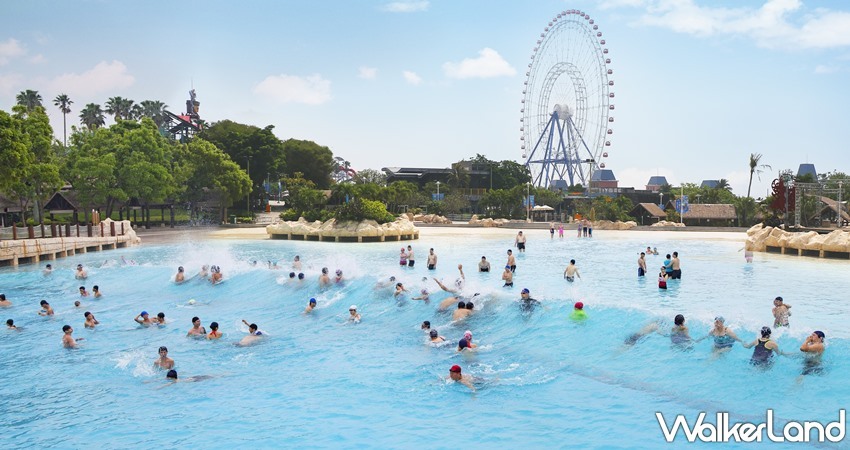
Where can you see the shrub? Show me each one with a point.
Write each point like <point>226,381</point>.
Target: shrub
<point>290,215</point>
<point>377,211</point>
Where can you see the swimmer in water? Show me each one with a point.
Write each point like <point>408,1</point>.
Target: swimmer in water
<point>724,337</point>
<point>432,260</point>
<point>435,337</point>
<point>423,295</point>
<point>466,342</point>
<point>83,292</point>
<point>144,319</point>
<point>171,376</point>
<point>353,315</point>
<point>310,306</point>
<point>91,322</point>
<point>508,277</point>
<point>444,287</point>
<point>215,275</point>
<point>511,261</point>
<point>163,362</point>
<point>10,325</point>
<point>338,278</point>
<point>3,302</point>
<point>642,264</point>
<point>46,309</point>
<point>197,330</point>
<point>410,261</point>
<point>456,376</point>
<point>402,258</point>
<point>578,314</point>
<point>48,269</point>
<point>159,319</point>
<point>679,334</point>
<point>300,277</point>
<point>296,263</point>
<point>780,313</point>
<point>426,325</point>
<point>254,334</point>
<point>68,340</point>
<point>662,279</point>
<point>399,289</point>
<point>520,242</point>
<point>484,265</point>
<point>324,280</point>
<point>214,333</point>
<point>646,330</point>
<point>461,312</point>
<point>571,272</point>
<point>812,350</point>
<point>180,277</point>
<point>764,348</point>
<point>526,303</point>
<point>77,304</point>
<point>81,273</point>
<point>205,272</point>
<point>385,284</point>
<point>96,291</point>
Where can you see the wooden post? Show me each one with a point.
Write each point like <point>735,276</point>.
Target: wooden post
<point>67,229</point>
<point>14,232</point>
<point>112,229</point>
<point>52,230</point>
<point>88,230</point>
<point>78,229</point>
<point>101,229</point>
<point>42,230</point>
<point>122,228</point>
<point>30,232</point>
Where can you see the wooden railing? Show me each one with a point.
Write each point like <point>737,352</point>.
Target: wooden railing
<point>55,230</point>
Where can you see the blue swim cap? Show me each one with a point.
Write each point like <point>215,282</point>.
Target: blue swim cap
<point>312,300</point>
<point>144,313</point>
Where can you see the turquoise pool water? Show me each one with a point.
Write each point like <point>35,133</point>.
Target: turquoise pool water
<point>316,381</point>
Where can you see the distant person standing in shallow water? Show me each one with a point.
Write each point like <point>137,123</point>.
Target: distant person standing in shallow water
<point>748,256</point>
<point>520,242</point>
<point>432,260</point>
<point>662,279</point>
<point>410,260</point>
<point>675,264</point>
<point>560,230</point>
<point>571,272</point>
<point>402,258</point>
<point>642,264</point>
<point>780,313</point>
<point>551,230</point>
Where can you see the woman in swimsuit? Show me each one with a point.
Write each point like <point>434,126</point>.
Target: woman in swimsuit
<point>724,337</point>
<point>764,348</point>
<point>214,333</point>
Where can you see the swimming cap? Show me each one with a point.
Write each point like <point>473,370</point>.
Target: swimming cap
<point>434,333</point>
<point>778,298</point>
<point>300,276</point>
<point>820,334</point>
<point>765,331</point>
<point>143,313</point>
<point>467,334</point>
<point>291,274</point>
<point>455,368</point>
<point>525,291</point>
<point>579,305</point>
<point>312,300</point>
<point>354,307</point>
<point>507,267</point>
<point>720,319</point>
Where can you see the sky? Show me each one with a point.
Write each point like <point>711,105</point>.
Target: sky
<point>699,84</point>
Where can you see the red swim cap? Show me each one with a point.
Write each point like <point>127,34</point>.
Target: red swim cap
<point>579,305</point>
<point>455,368</point>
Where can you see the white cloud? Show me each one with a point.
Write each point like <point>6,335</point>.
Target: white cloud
<point>368,73</point>
<point>104,77</point>
<point>412,78</point>
<point>488,64</point>
<point>825,70</point>
<point>610,4</point>
<point>9,83</point>
<point>10,49</point>
<point>310,90</point>
<point>37,59</point>
<point>406,7</point>
<point>775,24</point>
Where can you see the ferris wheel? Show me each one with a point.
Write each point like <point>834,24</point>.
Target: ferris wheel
<point>566,104</point>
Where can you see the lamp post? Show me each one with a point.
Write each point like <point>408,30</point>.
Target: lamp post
<point>438,191</point>
<point>527,201</point>
<point>661,200</point>
<point>591,162</point>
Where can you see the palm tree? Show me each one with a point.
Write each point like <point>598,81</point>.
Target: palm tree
<point>154,109</point>
<point>723,183</point>
<point>755,168</point>
<point>92,116</point>
<point>119,107</point>
<point>29,99</point>
<point>64,104</point>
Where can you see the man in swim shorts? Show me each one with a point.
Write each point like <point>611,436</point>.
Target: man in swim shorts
<point>675,264</point>
<point>96,291</point>
<point>81,273</point>
<point>520,242</point>
<point>813,352</point>
<point>254,334</point>
<point>571,272</point>
<point>780,313</point>
<point>83,292</point>
<point>508,277</point>
<point>435,337</point>
<point>484,265</point>
<point>642,264</point>
<point>68,340</point>
<point>410,260</point>
<point>197,330</point>
<point>144,319</point>
<point>511,261</point>
<point>3,302</point>
<point>456,376</point>
<point>180,276</point>
<point>461,312</point>
<point>324,279</point>
<point>46,309</point>
<point>432,260</point>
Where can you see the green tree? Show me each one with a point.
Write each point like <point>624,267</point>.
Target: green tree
<point>459,176</point>
<point>154,109</point>
<point>92,116</point>
<point>29,99</point>
<point>371,176</point>
<point>313,161</point>
<point>14,150</point>
<point>119,107</point>
<point>612,208</point>
<point>304,198</point>
<point>755,168</point>
<point>210,170</point>
<point>401,193</point>
<point>63,102</point>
